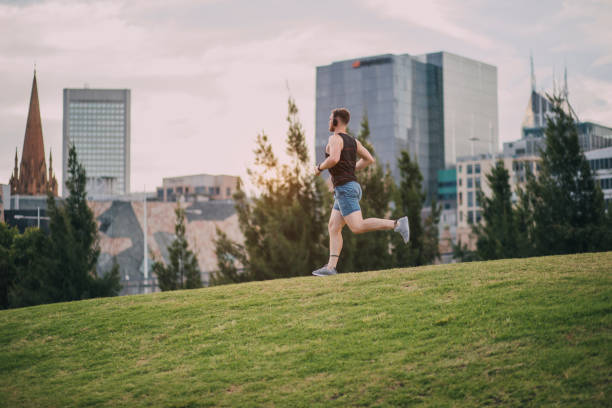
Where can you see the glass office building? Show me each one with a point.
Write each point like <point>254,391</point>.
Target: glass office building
<point>97,121</point>
<point>437,106</point>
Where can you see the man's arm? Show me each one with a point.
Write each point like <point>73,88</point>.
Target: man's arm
<point>365,157</point>
<point>335,147</point>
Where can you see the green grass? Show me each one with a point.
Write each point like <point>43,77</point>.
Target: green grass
<point>522,332</point>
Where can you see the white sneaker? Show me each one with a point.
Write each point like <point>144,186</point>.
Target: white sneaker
<point>403,228</point>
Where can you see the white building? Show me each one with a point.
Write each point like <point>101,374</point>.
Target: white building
<point>601,164</point>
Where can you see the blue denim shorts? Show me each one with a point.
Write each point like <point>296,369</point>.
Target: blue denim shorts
<point>347,198</point>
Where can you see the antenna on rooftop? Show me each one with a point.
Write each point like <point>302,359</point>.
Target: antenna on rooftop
<point>533,79</point>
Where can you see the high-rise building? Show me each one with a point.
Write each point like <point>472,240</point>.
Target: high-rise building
<point>97,121</point>
<point>591,136</point>
<point>438,106</point>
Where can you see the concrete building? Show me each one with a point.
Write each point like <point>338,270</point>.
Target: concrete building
<point>198,187</point>
<point>471,176</point>
<point>123,234</point>
<point>438,106</point>
<point>601,163</point>
<point>97,121</point>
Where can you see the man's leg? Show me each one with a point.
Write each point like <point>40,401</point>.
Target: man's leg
<point>358,225</point>
<point>336,223</point>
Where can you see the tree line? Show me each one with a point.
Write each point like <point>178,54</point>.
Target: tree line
<point>559,211</point>
<point>38,267</point>
<point>285,223</point>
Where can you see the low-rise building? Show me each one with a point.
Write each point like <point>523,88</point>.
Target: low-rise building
<point>198,187</point>
<point>601,163</point>
<point>471,177</point>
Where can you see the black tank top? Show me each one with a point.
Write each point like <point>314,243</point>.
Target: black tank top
<point>344,170</point>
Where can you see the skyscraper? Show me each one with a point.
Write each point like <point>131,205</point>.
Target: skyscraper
<point>97,121</point>
<point>438,106</point>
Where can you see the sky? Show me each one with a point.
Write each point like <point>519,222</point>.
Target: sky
<point>206,76</point>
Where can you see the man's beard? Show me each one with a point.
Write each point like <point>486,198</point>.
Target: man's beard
<point>332,128</point>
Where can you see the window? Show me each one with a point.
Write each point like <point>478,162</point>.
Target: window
<point>179,190</point>
<point>460,216</point>
<point>469,169</point>
<point>460,182</point>
<point>460,198</point>
<point>470,183</point>
<point>477,181</point>
<point>470,219</point>
<point>470,199</point>
<point>459,168</point>
<point>228,191</point>
<point>477,168</point>
<point>218,190</point>
<point>478,216</point>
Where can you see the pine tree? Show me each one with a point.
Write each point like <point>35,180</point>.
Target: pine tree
<point>498,236</point>
<point>430,247</point>
<point>183,271</point>
<point>409,199</point>
<point>566,202</point>
<point>284,226</point>
<point>33,260</point>
<point>365,252</point>
<point>74,237</point>
<point>231,259</point>
<point>7,266</point>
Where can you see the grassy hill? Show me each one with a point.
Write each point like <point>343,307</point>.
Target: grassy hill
<point>523,332</point>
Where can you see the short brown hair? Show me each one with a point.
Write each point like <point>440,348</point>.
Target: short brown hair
<point>343,114</point>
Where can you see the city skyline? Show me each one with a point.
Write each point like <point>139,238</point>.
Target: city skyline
<point>203,72</point>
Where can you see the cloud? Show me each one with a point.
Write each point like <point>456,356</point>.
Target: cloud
<point>434,15</point>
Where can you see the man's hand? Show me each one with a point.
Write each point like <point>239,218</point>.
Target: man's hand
<point>316,170</point>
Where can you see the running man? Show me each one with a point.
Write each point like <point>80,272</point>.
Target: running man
<point>341,159</point>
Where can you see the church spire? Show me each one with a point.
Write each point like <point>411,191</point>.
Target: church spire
<point>32,178</point>
<point>533,79</point>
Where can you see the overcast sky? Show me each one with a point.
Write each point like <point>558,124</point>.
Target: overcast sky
<point>207,76</point>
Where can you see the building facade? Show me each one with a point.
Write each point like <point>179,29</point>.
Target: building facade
<point>471,177</point>
<point>197,187</point>
<point>601,163</point>
<point>438,106</point>
<point>97,122</point>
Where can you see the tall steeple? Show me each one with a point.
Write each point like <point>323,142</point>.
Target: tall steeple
<point>32,178</point>
<point>533,79</point>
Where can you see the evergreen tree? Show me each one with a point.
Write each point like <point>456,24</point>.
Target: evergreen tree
<point>74,241</point>
<point>498,236</point>
<point>109,284</point>
<point>33,260</point>
<point>365,252</point>
<point>183,271</point>
<point>566,202</point>
<point>231,259</point>
<point>284,226</point>
<point>7,267</point>
<point>409,199</point>
<point>430,247</point>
